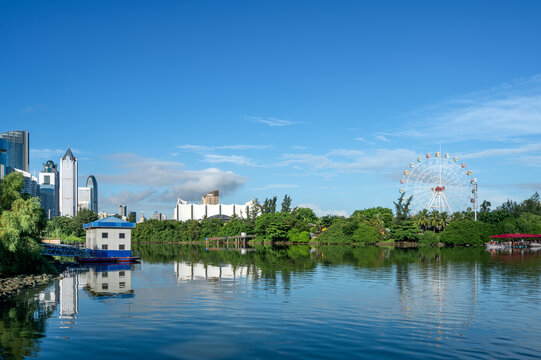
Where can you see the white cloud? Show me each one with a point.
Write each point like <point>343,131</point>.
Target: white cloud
<point>382,138</point>
<point>505,152</point>
<point>278,186</point>
<point>194,147</point>
<point>321,212</point>
<point>499,114</point>
<point>205,148</point>
<point>234,159</point>
<point>347,161</point>
<point>161,182</point>
<point>47,153</point>
<point>272,121</point>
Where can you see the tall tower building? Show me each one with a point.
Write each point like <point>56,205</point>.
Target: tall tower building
<point>68,184</point>
<point>93,185</point>
<point>123,210</point>
<point>3,158</point>
<point>84,197</point>
<point>17,149</point>
<point>49,189</point>
<point>212,198</point>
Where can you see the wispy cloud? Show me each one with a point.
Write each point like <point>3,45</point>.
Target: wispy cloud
<point>271,121</point>
<point>47,153</point>
<point>209,155</point>
<point>348,161</point>
<point>205,148</point>
<point>277,186</point>
<point>499,114</point>
<point>55,154</point>
<point>505,152</point>
<point>381,138</point>
<point>233,159</point>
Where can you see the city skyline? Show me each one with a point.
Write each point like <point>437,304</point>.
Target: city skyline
<point>325,102</point>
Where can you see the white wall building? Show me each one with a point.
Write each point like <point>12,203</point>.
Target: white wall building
<point>188,211</point>
<point>68,184</point>
<point>84,195</point>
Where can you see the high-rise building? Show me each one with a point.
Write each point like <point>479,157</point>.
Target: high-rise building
<point>30,183</point>
<point>3,158</point>
<point>84,198</point>
<point>93,184</point>
<point>123,210</point>
<point>68,184</point>
<point>212,198</point>
<point>158,216</point>
<point>17,149</point>
<point>49,189</point>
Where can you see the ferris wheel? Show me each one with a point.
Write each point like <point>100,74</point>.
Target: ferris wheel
<point>439,182</point>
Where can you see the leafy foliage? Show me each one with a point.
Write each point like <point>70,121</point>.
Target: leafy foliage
<point>466,232</point>
<point>21,224</point>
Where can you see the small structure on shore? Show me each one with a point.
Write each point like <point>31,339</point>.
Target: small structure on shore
<point>108,240</point>
<point>514,240</point>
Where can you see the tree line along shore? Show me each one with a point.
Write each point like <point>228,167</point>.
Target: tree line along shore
<point>23,225</point>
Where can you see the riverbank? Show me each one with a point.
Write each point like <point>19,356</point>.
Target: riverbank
<point>13,285</point>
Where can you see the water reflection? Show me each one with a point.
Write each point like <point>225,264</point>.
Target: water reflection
<point>109,280</point>
<point>400,300</point>
<point>23,318</point>
<point>190,271</point>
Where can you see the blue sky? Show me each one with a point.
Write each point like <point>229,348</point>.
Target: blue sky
<point>327,101</point>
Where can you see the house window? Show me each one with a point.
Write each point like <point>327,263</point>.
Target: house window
<point>122,236</point>
<point>104,275</point>
<point>104,247</point>
<point>104,286</point>
<point>121,274</point>
<point>104,235</point>
<point>121,247</point>
<point>122,285</point>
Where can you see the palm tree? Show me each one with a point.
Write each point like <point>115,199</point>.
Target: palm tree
<point>422,219</point>
<point>435,219</point>
<point>444,220</point>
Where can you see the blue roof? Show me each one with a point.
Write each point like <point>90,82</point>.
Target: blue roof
<point>109,222</point>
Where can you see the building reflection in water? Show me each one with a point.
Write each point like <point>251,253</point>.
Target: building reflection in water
<point>97,281</point>
<point>109,280</point>
<point>188,271</point>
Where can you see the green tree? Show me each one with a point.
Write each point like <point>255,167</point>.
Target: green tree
<point>402,208</point>
<point>366,234</point>
<point>485,206</point>
<point>423,219</point>
<point>286,204</point>
<point>210,227</point>
<point>466,232</point>
<point>384,214</point>
<point>305,215</point>
<point>273,226</point>
<point>296,235</point>
<point>10,190</point>
<point>406,230</point>
<point>84,216</point>
<point>20,234</point>
<point>269,206</point>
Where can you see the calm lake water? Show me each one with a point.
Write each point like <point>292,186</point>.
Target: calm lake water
<point>299,302</point>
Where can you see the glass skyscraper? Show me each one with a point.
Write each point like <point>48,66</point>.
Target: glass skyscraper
<point>49,189</point>
<point>3,158</point>
<point>17,149</point>
<point>93,185</point>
